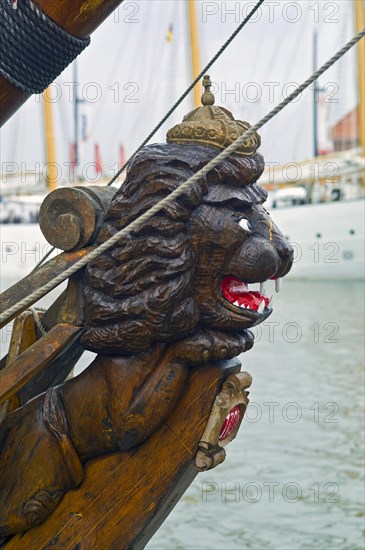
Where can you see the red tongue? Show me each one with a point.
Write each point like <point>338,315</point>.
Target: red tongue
<point>235,290</point>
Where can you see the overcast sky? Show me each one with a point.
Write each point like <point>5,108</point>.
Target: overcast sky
<point>130,75</point>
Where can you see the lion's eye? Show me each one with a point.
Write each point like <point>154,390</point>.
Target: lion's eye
<point>245,224</point>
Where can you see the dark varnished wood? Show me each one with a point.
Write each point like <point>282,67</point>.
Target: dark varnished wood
<point>126,496</point>
<point>154,314</point>
<point>165,279</point>
<point>56,371</point>
<point>34,359</point>
<point>35,280</point>
<point>78,17</point>
<point>68,308</point>
<point>24,334</point>
<point>70,217</point>
<point>115,404</point>
<point>11,99</point>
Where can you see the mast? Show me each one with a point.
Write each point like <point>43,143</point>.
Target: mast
<point>360,24</point>
<point>76,118</point>
<point>50,149</point>
<point>194,49</point>
<point>315,98</point>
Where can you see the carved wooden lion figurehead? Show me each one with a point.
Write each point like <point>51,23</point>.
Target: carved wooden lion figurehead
<point>190,265</point>
<point>174,295</point>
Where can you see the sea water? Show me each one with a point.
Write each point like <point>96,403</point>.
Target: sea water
<point>293,477</point>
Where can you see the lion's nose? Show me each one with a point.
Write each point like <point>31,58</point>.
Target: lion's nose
<point>285,250</point>
<point>286,255</point>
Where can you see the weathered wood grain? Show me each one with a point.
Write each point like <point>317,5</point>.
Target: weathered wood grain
<point>70,217</point>
<point>156,310</point>
<point>35,280</point>
<point>126,496</point>
<point>78,17</point>
<point>23,335</point>
<point>34,359</point>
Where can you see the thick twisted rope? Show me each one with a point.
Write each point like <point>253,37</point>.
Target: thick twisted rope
<point>188,90</point>
<point>34,296</point>
<point>34,50</point>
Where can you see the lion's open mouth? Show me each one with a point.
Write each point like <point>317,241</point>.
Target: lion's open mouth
<point>237,293</point>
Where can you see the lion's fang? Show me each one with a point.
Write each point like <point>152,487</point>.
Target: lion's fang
<point>270,302</point>
<point>261,307</point>
<point>262,288</point>
<point>278,284</point>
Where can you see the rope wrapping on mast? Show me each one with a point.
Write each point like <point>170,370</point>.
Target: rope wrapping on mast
<point>34,50</point>
<point>125,232</point>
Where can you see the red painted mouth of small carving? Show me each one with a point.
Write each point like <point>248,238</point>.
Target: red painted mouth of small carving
<point>231,423</point>
<point>237,293</point>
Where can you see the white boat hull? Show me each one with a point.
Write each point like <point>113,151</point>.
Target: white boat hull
<point>328,239</point>
<point>22,247</point>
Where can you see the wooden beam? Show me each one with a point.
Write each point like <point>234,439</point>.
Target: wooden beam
<point>24,334</point>
<point>35,280</point>
<point>78,17</point>
<point>126,496</point>
<point>34,359</point>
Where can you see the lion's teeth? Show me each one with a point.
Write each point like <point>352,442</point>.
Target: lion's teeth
<point>261,307</point>
<point>270,302</point>
<point>262,288</point>
<point>236,303</point>
<point>278,284</point>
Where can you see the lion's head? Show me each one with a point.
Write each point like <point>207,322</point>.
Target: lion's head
<point>188,267</point>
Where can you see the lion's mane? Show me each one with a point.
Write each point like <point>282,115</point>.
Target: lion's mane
<point>142,291</point>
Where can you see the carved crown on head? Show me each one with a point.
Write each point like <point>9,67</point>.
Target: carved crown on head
<point>213,126</point>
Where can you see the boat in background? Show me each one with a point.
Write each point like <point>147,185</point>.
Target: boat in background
<point>309,197</point>
<point>328,239</point>
<point>319,202</point>
<point>322,215</point>
<point>22,193</point>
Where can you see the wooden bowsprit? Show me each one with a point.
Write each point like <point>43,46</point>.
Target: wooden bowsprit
<point>126,496</point>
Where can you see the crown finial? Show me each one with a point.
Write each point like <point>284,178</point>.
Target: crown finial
<point>212,126</point>
<point>207,97</point>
